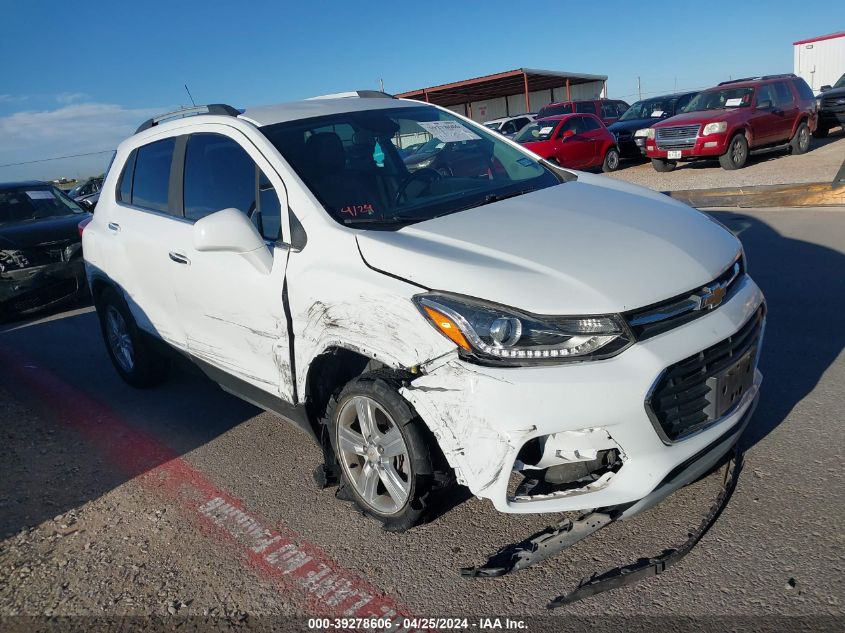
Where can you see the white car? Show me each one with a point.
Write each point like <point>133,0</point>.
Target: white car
<point>552,340</point>
<point>509,125</point>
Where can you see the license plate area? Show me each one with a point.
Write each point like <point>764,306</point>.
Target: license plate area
<point>728,387</point>
<point>673,153</point>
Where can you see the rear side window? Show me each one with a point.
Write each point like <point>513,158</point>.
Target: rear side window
<point>783,95</point>
<point>587,106</point>
<point>152,175</point>
<point>803,89</point>
<point>219,174</point>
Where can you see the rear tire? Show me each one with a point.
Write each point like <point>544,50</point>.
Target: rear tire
<point>737,154</point>
<point>821,131</point>
<point>385,453</point>
<point>611,160</point>
<point>662,165</point>
<point>800,143</point>
<point>132,352</point>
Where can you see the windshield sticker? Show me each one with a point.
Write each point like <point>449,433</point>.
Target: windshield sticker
<point>378,155</point>
<point>358,209</point>
<point>546,130</point>
<point>657,113</point>
<point>733,103</point>
<point>40,195</point>
<point>448,131</point>
<point>525,162</point>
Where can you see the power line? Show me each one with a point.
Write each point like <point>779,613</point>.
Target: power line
<point>44,160</point>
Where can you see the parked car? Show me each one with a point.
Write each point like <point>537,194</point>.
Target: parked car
<point>594,340</point>
<point>40,248</point>
<point>608,110</point>
<point>86,189</point>
<point>469,158</point>
<point>632,127</point>
<point>734,118</point>
<point>577,141</point>
<point>831,104</point>
<point>510,125</point>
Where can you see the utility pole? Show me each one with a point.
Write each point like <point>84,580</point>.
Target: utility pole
<point>381,84</point>
<point>639,89</point>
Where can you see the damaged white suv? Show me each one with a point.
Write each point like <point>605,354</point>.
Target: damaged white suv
<point>552,340</point>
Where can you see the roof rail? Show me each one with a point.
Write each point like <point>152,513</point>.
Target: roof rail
<point>759,78</point>
<point>212,108</point>
<point>361,94</point>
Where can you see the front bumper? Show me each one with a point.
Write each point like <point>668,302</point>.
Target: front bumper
<point>705,146</point>
<point>482,416</point>
<point>31,289</point>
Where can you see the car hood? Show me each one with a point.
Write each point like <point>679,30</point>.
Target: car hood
<point>590,246</point>
<point>416,159</point>
<point>833,92</point>
<point>703,117</point>
<point>34,233</point>
<point>632,125</point>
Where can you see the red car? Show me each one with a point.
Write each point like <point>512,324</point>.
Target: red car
<point>578,141</point>
<point>732,119</point>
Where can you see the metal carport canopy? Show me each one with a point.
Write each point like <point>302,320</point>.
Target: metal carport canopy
<point>511,82</point>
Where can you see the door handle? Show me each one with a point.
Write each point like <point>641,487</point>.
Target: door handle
<point>114,226</point>
<point>179,258</point>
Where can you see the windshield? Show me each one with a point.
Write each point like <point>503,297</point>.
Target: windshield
<point>537,131</point>
<point>554,110</point>
<point>648,109</point>
<point>22,204</point>
<point>351,163</point>
<point>840,83</point>
<point>720,99</point>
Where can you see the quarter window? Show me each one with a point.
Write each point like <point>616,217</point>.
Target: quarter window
<point>152,175</point>
<point>219,174</point>
<point>124,193</point>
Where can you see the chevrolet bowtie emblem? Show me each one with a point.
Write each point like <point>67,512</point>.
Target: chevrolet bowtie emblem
<point>711,297</point>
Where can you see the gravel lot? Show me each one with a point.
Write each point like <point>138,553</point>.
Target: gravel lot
<point>82,535</point>
<point>820,164</point>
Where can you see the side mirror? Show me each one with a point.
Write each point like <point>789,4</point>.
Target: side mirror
<point>567,134</point>
<point>766,104</point>
<point>230,231</point>
<point>825,88</point>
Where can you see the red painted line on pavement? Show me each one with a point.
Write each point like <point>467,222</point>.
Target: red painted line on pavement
<point>277,552</point>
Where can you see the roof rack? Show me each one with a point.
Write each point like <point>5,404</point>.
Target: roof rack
<point>212,108</point>
<point>360,94</point>
<point>760,78</point>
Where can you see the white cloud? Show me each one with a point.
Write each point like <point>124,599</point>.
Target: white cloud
<point>72,97</point>
<point>5,98</point>
<point>72,129</point>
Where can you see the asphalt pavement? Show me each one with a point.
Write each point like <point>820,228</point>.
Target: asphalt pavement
<point>107,494</point>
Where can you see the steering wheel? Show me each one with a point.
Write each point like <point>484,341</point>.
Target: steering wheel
<point>427,173</point>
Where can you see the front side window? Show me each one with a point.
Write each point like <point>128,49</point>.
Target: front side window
<point>152,175</point>
<point>721,99</point>
<point>589,123</point>
<point>352,164</point>
<point>34,202</point>
<point>219,174</point>
<point>765,94</point>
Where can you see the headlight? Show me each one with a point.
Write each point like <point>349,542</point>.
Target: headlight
<point>714,128</point>
<point>423,164</point>
<point>644,132</point>
<point>488,332</point>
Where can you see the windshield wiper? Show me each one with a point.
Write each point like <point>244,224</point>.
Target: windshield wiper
<point>393,219</point>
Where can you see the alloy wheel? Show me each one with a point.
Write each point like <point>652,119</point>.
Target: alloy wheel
<point>804,138</point>
<point>119,339</point>
<point>373,454</point>
<point>737,151</point>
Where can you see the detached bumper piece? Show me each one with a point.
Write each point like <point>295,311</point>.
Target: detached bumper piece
<point>553,540</point>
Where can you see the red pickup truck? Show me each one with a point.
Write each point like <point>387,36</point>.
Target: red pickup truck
<point>734,118</point>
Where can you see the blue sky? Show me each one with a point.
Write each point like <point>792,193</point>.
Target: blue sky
<point>78,77</point>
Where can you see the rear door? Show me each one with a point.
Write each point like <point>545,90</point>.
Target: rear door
<point>234,313</point>
<point>765,122</point>
<point>594,133</point>
<point>786,109</point>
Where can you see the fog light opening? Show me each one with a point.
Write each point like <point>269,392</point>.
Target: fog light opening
<point>566,478</point>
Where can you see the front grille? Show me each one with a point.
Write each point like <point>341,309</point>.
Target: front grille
<point>679,404</point>
<point>678,136</point>
<point>833,103</point>
<point>665,315</point>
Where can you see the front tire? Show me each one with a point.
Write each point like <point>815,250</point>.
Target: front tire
<point>800,143</point>
<point>611,160</point>
<point>737,153</point>
<point>131,351</point>
<point>386,460</point>
<point>821,131</point>
<point>663,166</point>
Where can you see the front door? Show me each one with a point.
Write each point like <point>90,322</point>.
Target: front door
<point>233,309</point>
<point>576,148</point>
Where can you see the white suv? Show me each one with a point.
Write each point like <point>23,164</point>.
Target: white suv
<point>552,340</point>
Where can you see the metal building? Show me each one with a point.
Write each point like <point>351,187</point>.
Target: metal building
<point>511,92</point>
<point>820,60</point>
